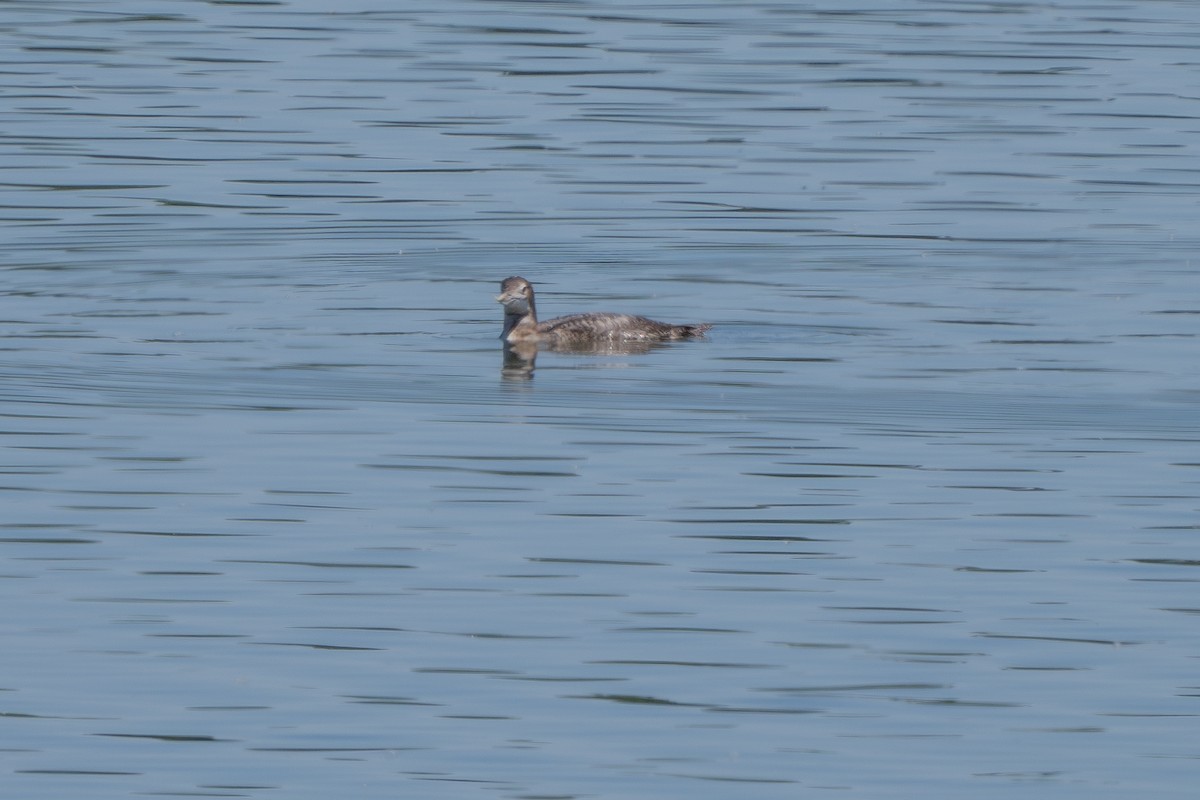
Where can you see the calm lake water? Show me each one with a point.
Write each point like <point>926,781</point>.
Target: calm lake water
<point>918,519</point>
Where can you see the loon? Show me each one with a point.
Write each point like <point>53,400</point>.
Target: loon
<point>521,324</point>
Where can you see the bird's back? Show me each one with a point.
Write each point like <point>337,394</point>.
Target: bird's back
<point>624,327</point>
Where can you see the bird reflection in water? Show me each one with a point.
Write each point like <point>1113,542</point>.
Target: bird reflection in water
<point>521,358</point>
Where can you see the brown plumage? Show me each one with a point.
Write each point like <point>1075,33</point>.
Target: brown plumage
<point>521,323</point>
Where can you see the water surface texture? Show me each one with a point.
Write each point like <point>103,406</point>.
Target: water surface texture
<point>918,519</point>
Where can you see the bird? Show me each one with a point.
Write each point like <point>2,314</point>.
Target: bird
<point>521,324</point>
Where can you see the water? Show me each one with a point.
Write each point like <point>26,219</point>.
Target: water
<point>917,518</point>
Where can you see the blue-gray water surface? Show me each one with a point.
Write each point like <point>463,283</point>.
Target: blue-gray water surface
<point>917,519</point>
